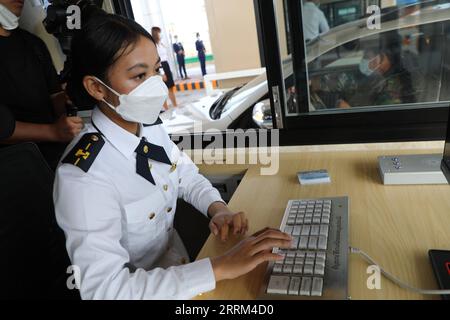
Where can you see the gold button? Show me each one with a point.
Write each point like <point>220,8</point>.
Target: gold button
<point>94,138</point>
<point>152,216</point>
<point>146,149</point>
<point>169,210</point>
<point>174,167</point>
<point>166,187</point>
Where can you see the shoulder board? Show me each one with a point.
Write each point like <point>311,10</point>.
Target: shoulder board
<point>85,151</point>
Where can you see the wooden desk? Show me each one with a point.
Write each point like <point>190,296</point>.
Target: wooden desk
<point>396,225</point>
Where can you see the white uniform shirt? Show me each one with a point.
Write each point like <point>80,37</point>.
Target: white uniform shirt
<point>119,226</point>
<point>314,21</point>
<point>162,51</point>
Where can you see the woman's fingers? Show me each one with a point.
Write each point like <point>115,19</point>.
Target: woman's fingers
<point>267,257</point>
<point>224,231</point>
<point>257,234</point>
<point>214,229</point>
<point>269,244</point>
<point>237,223</point>
<point>272,234</point>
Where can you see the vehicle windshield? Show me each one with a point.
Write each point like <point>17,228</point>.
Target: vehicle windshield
<point>222,105</point>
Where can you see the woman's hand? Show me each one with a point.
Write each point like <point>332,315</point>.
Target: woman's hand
<point>250,253</point>
<point>223,221</point>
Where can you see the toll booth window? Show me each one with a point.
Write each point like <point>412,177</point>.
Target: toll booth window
<point>397,57</point>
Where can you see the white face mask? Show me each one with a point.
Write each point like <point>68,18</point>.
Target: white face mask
<point>143,104</point>
<point>364,67</point>
<point>8,20</point>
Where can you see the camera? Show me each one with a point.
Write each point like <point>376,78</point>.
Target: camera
<point>58,23</point>
<point>58,17</point>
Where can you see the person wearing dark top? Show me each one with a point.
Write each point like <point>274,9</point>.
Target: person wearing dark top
<point>30,89</point>
<point>181,57</point>
<point>383,80</point>
<point>7,122</point>
<point>201,53</point>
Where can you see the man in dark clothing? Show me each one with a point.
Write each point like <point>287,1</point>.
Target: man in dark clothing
<point>30,89</point>
<point>201,53</point>
<point>181,57</point>
<point>383,80</point>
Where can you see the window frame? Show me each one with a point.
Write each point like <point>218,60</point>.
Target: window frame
<point>419,123</point>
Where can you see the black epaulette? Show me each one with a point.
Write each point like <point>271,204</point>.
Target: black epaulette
<point>85,151</point>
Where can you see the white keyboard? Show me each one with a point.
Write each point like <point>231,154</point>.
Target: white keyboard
<point>316,266</point>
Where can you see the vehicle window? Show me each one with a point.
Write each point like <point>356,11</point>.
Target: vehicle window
<point>349,66</point>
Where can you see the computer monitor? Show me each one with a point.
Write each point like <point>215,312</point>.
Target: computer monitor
<point>446,161</point>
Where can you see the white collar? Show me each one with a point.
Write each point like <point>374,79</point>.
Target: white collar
<point>125,142</point>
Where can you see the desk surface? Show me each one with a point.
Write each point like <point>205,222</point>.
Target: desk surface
<point>396,225</point>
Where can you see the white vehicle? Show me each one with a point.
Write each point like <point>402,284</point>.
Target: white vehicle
<point>249,106</point>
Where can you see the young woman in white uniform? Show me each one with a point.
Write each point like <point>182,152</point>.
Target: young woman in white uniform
<point>117,186</point>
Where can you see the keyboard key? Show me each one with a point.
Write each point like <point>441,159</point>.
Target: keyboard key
<point>289,261</point>
<point>287,269</point>
<point>299,220</point>
<point>316,220</point>
<point>278,268</point>
<point>326,221</point>
<point>312,245</point>
<point>323,243</point>
<point>278,285</point>
<point>294,287</point>
<point>305,288</point>
<point>294,244</point>
<point>299,261</point>
<point>317,287</point>
<point>288,229</point>
<point>320,262</point>
<point>303,243</point>
<point>315,229</point>
<point>319,270</point>
<point>291,221</point>
<point>306,230</point>
<point>308,270</point>
<point>298,269</point>
<point>307,221</point>
<point>321,255</point>
<point>324,230</point>
<point>297,230</point>
<point>309,261</point>
<point>311,255</point>
<point>290,254</point>
<point>301,254</point>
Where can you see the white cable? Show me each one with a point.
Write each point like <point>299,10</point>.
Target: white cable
<point>395,280</point>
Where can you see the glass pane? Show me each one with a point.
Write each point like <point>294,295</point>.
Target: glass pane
<point>376,54</point>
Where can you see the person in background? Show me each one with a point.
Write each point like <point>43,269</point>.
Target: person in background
<point>383,77</point>
<point>167,75</point>
<point>30,88</point>
<point>201,53</point>
<point>314,21</point>
<point>181,57</point>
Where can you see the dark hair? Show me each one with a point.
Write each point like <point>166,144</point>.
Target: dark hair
<point>156,29</point>
<point>96,48</point>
